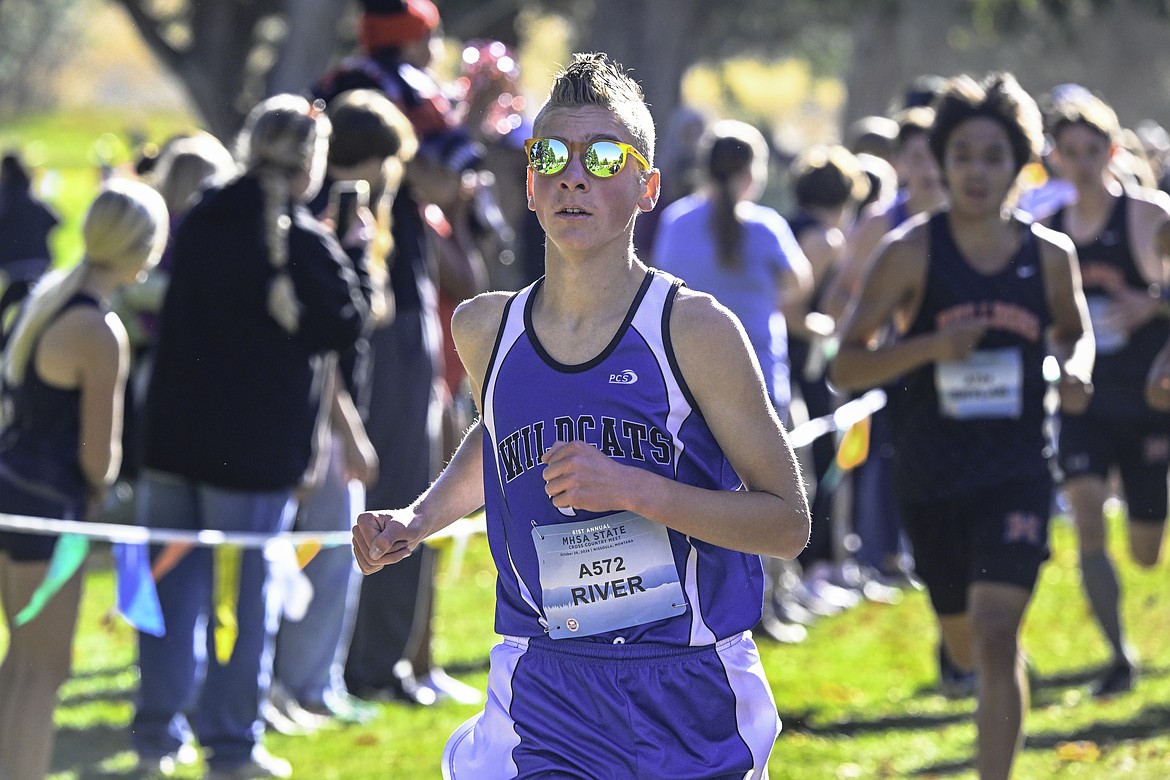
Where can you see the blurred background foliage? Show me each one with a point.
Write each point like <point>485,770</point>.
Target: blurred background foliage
<point>126,72</point>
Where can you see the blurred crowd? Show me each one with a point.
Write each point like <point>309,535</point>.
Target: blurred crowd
<point>281,360</point>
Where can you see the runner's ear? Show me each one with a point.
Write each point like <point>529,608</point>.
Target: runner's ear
<point>651,188</point>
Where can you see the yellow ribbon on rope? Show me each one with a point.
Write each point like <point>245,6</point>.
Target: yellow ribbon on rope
<point>226,597</point>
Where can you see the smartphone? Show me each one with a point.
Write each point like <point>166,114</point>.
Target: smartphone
<point>345,198</point>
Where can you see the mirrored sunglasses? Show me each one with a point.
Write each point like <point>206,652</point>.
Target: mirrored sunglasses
<point>603,159</point>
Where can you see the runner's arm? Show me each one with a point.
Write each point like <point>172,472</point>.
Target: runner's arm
<point>770,516</point>
<point>890,291</point>
<point>1070,338</point>
<point>384,537</point>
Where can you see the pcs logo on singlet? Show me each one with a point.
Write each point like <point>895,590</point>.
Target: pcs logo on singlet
<point>626,377</point>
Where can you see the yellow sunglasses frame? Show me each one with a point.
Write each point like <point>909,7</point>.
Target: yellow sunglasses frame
<point>579,148</point>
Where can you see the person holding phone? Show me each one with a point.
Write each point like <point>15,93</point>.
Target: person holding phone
<point>371,143</point>
<point>390,651</point>
<point>347,199</point>
<point>260,292</point>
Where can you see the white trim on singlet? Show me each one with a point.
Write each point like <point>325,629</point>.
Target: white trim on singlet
<point>647,321</point>
<point>482,747</point>
<point>511,331</point>
<point>701,633</point>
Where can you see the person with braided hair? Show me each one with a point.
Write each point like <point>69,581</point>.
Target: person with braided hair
<point>260,291</point>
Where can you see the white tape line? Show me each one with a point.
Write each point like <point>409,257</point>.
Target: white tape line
<point>134,534</point>
<point>859,408</point>
<point>845,416</point>
<point>800,436</point>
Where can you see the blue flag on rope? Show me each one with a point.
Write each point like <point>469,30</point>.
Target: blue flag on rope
<point>137,599</point>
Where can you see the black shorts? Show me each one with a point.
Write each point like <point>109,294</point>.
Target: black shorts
<point>1141,452</point>
<point>997,534</point>
<point>16,500</point>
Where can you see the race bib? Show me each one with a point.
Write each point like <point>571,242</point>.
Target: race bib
<point>1108,339</point>
<point>609,573</point>
<point>987,385</point>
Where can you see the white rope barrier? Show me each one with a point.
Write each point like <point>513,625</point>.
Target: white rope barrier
<point>802,435</point>
<point>135,534</point>
<point>846,415</point>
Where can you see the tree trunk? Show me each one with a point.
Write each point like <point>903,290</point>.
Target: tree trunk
<point>651,39</point>
<point>214,62</point>
<point>309,46</point>
<point>877,67</point>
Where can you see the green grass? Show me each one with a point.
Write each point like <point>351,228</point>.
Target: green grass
<point>856,698</point>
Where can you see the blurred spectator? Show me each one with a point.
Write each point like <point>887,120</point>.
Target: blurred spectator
<point>372,141</point>
<point>184,169</point>
<point>390,651</point>
<point>882,179</point>
<point>259,292</point>
<point>920,189</point>
<point>495,116</point>
<point>828,182</point>
<point>876,514</point>
<point>1156,141</point>
<point>1130,164</point>
<point>872,135</point>
<point>1042,190</point>
<point>679,160</point>
<point>25,225</point>
<point>922,92</point>
<point>874,141</point>
<point>64,369</point>
<point>720,241</point>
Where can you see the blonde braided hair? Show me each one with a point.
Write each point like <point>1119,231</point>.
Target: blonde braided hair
<point>283,137</point>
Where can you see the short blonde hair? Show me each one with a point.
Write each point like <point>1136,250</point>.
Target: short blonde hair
<point>592,79</point>
<point>189,165</point>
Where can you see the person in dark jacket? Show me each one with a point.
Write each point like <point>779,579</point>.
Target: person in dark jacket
<point>26,223</point>
<point>259,292</point>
